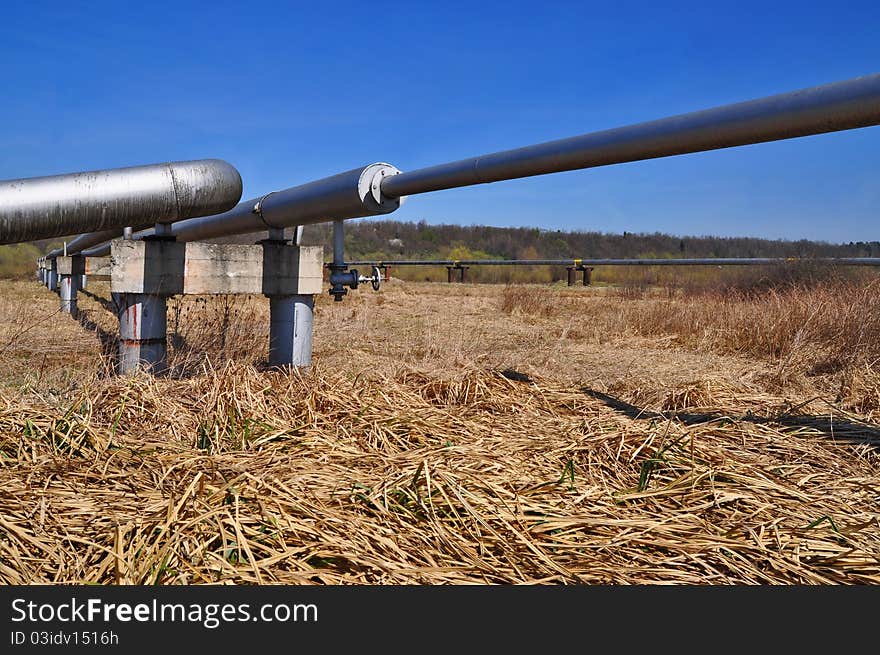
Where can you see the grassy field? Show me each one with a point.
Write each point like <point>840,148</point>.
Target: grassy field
<point>451,434</point>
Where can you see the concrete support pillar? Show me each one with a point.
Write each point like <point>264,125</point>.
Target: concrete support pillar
<point>290,330</point>
<point>67,284</point>
<point>586,270</point>
<point>462,273</point>
<point>145,273</point>
<point>142,332</point>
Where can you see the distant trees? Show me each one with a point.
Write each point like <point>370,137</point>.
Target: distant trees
<point>389,239</point>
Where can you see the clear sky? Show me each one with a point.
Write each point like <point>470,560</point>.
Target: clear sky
<point>290,92</point>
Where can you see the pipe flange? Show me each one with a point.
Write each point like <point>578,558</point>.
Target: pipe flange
<point>370,188</point>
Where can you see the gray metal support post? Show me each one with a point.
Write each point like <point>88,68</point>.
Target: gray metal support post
<point>588,274</point>
<point>142,332</point>
<point>52,276</point>
<point>69,270</point>
<point>67,285</point>
<point>462,275</point>
<point>449,270</point>
<point>571,270</point>
<point>291,316</point>
<point>290,330</point>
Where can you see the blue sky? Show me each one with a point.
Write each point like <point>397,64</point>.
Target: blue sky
<point>291,92</point>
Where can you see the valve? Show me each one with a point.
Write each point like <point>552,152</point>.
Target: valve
<point>340,275</point>
<point>375,279</point>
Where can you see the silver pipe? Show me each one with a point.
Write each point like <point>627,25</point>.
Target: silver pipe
<point>352,194</point>
<point>98,251</point>
<point>59,205</point>
<point>85,241</point>
<point>828,108</point>
<point>708,261</point>
<point>838,106</point>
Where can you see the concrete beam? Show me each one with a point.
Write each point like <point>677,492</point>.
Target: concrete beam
<point>98,266</point>
<point>73,265</point>
<point>167,268</point>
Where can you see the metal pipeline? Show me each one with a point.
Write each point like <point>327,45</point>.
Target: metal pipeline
<point>377,189</point>
<point>353,194</point>
<point>708,261</point>
<point>58,205</point>
<point>816,110</point>
<point>85,241</point>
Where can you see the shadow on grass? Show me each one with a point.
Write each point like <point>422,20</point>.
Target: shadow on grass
<point>837,427</point>
<point>106,304</point>
<point>109,341</point>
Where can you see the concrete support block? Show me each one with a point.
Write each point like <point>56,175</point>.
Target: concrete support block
<point>72,265</point>
<point>98,267</point>
<point>169,268</point>
<point>144,273</point>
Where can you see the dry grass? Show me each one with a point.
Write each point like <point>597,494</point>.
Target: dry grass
<point>587,439</point>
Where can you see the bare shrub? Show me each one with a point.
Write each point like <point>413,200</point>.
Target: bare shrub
<point>528,300</point>
<point>216,328</point>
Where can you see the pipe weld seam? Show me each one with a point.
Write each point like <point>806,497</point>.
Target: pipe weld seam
<point>258,210</point>
<point>177,216</point>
